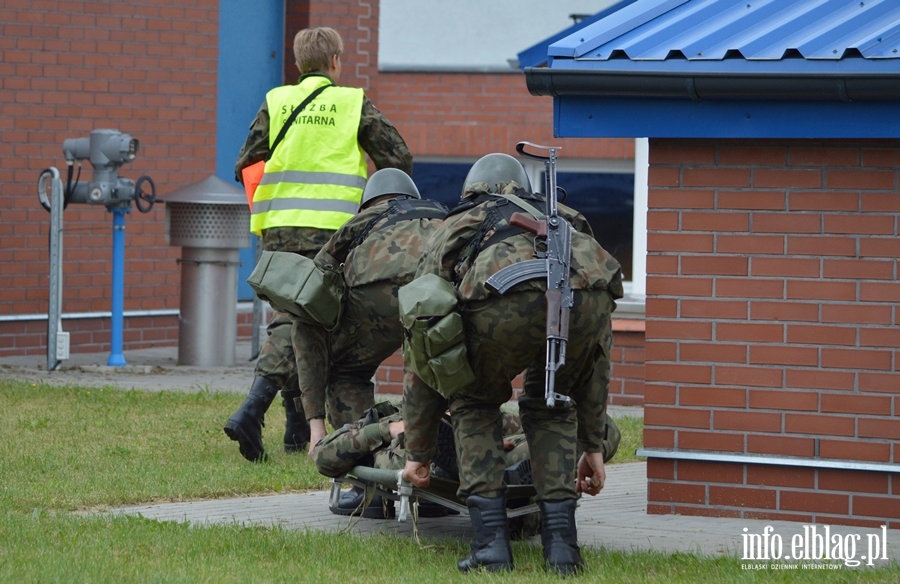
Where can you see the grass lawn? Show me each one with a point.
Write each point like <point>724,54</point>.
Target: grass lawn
<point>65,449</point>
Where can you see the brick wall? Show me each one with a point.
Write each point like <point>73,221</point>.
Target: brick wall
<point>146,69</point>
<point>772,282</point>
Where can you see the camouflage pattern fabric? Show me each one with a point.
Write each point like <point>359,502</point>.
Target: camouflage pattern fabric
<point>368,442</point>
<point>377,137</point>
<point>336,369</point>
<point>506,335</point>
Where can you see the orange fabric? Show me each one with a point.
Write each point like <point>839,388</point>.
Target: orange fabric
<point>252,175</point>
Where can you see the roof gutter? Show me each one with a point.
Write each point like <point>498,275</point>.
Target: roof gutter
<point>792,86</point>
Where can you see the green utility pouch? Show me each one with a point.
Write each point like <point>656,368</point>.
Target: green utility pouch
<point>293,283</point>
<point>434,346</point>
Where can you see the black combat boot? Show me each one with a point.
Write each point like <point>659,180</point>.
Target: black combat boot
<point>491,549</point>
<point>296,428</point>
<point>351,502</point>
<point>559,536</point>
<point>245,425</point>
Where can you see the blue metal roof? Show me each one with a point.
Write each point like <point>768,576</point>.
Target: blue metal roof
<point>659,30</point>
<point>752,68</point>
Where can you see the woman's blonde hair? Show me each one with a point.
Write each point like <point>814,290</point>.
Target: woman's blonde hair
<point>314,48</point>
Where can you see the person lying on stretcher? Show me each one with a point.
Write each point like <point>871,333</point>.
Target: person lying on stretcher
<point>377,440</point>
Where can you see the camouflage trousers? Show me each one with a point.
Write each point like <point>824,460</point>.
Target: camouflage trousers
<point>506,336</point>
<point>336,369</point>
<point>276,360</point>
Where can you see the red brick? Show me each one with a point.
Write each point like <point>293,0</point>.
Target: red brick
<point>857,314</point>
<point>750,244</point>
<point>659,394</point>
<point>750,200</point>
<point>661,351</point>
<point>861,481</point>
<point>743,154</point>
<point>681,199</point>
<point>856,359</point>
<point>714,265</point>
<point>749,288</point>
<point>823,156</point>
<point>679,242</point>
<point>880,382</point>
<point>676,417</point>
<point>780,444</point>
<point>878,405</point>
<point>819,379</point>
<point>879,428</point>
<point>787,267</point>
<point>820,290</point>
<point>658,176</point>
<point>823,201</point>
<point>682,154</point>
<point>716,177</point>
<point>658,438</point>
<point>712,397</point>
<point>783,355</point>
<point>743,497</point>
<point>787,178</point>
<point>662,220</point>
<point>880,202</point>
<point>713,309</point>
<point>780,476</point>
<point>713,472</point>
<point>763,399</point>
<point>854,450</point>
<point>789,223</point>
<point>678,286</point>
<point>679,329</point>
<point>715,221</point>
<point>748,376</point>
<point>821,245</point>
<point>876,506</point>
<point>661,307</point>
<point>712,353</point>
<point>866,225</point>
<point>814,502</point>
<point>661,468</point>
<point>676,493</point>
<point>818,424</point>
<point>879,292</point>
<point>820,335</point>
<point>664,265</point>
<point>879,337</point>
<point>879,247</point>
<point>716,441</point>
<point>784,311</point>
<point>860,269</point>
<point>865,178</point>
<point>750,332</point>
<point>747,421</point>
<point>775,516</point>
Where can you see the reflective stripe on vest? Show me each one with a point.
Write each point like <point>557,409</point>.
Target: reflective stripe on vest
<point>316,176</point>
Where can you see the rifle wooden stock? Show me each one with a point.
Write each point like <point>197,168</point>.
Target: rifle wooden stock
<point>528,223</point>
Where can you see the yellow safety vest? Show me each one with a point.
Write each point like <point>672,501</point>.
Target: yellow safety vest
<point>316,176</point>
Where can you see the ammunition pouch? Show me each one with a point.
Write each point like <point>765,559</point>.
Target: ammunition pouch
<point>293,283</point>
<point>434,342</point>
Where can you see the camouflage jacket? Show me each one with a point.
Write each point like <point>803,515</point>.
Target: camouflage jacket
<point>377,137</point>
<point>383,242</point>
<point>457,252</point>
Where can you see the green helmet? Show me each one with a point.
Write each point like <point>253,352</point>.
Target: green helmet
<point>389,181</point>
<point>496,168</point>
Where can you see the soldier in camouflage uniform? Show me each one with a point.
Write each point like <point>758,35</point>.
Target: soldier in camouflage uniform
<point>298,229</point>
<point>504,336</point>
<point>376,252</point>
<point>377,440</point>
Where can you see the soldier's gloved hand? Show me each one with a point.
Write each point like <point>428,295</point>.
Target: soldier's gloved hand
<point>591,473</point>
<point>316,433</point>
<point>416,473</point>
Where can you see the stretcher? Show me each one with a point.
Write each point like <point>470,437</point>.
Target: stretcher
<point>391,485</point>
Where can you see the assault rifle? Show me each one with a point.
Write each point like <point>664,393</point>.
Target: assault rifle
<point>557,233</point>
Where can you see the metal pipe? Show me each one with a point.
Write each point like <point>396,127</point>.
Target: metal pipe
<point>116,357</point>
<point>767,459</point>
